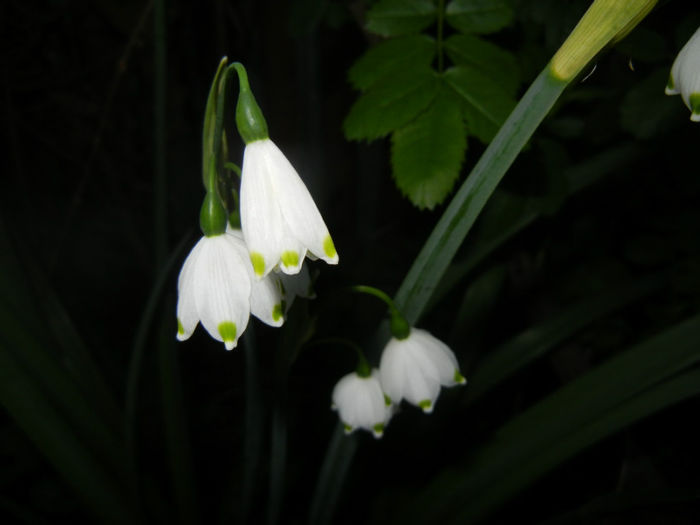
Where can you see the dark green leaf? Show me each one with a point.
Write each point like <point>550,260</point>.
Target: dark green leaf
<point>493,62</point>
<point>400,17</point>
<point>646,111</point>
<point>389,57</point>
<point>485,104</point>
<point>479,16</point>
<point>523,349</point>
<point>390,104</point>
<point>427,154</point>
<point>631,385</point>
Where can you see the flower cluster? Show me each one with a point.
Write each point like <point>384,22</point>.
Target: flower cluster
<point>685,76</point>
<point>229,273</point>
<point>411,368</point>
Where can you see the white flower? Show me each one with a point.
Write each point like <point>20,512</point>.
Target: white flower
<point>217,287</point>
<point>280,220</point>
<point>361,403</point>
<point>685,76</point>
<point>414,368</point>
<point>214,288</point>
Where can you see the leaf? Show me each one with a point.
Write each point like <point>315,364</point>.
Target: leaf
<point>644,112</point>
<point>400,17</point>
<point>479,16</point>
<point>427,154</point>
<point>493,62</point>
<point>631,385</point>
<point>485,104</point>
<point>390,104</point>
<point>389,57</point>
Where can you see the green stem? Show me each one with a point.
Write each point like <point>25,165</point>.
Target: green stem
<point>159,135</point>
<point>440,24</point>
<point>459,217</point>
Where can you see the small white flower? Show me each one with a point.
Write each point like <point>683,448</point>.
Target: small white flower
<point>685,76</point>
<point>279,218</point>
<point>414,368</point>
<point>214,287</point>
<point>361,403</point>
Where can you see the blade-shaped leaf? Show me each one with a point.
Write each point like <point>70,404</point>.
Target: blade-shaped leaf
<point>536,341</point>
<point>389,57</point>
<point>427,154</point>
<point>400,17</point>
<point>479,16</point>
<point>630,385</point>
<point>495,63</point>
<point>485,104</point>
<point>390,104</point>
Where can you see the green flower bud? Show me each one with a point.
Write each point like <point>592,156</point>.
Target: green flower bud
<point>249,118</point>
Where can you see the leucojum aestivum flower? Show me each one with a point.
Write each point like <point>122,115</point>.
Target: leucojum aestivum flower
<point>223,280</point>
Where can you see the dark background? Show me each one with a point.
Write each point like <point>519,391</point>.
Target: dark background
<point>78,197</point>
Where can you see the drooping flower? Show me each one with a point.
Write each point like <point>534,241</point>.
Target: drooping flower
<point>685,76</point>
<point>361,403</point>
<point>415,367</point>
<point>279,218</point>
<point>214,288</point>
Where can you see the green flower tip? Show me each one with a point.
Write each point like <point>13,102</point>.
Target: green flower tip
<point>278,312</point>
<point>387,400</point>
<point>329,247</point>
<point>347,428</point>
<point>670,86</point>
<point>249,117</point>
<point>426,405</point>
<point>694,102</point>
<point>378,430</point>
<point>258,262</point>
<point>459,378</point>
<point>227,331</point>
<point>290,259</point>
<point>180,329</point>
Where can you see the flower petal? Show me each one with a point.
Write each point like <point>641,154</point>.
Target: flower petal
<point>187,316</point>
<point>298,208</point>
<point>261,219</point>
<point>442,358</point>
<point>222,290</point>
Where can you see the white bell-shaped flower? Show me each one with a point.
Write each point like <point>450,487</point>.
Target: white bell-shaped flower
<point>361,403</point>
<point>214,287</point>
<point>280,220</point>
<point>414,368</point>
<point>685,76</point>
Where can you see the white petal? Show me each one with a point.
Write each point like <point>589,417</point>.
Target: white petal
<point>299,210</point>
<point>187,316</point>
<point>439,353</point>
<point>261,219</point>
<point>222,290</point>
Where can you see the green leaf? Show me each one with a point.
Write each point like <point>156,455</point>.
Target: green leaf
<point>533,343</point>
<point>644,112</point>
<point>493,62</point>
<point>479,16</point>
<point>633,384</point>
<point>389,57</point>
<point>427,154</point>
<point>391,103</point>
<point>485,104</point>
<point>400,17</point>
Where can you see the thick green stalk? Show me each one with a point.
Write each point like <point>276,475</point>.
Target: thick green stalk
<point>459,217</point>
